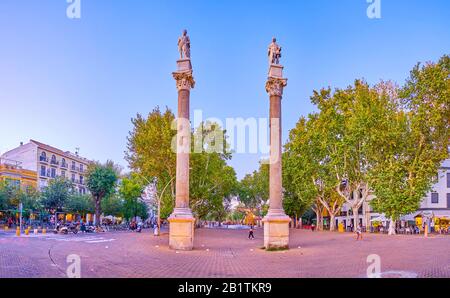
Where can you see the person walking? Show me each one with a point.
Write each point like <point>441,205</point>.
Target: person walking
<point>359,232</point>
<point>250,234</point>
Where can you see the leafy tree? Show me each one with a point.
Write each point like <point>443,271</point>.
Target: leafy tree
<point>212,181</point>
<point>3,197</point>
<point>131,190</point>
<point>78,203</point>
<point>101,181</point>
<point>56,194</point>
<point>113,205</point>
<point>150,153</point>
<point>253,189</point>
<point>349,121</point>
<point>416,141</point>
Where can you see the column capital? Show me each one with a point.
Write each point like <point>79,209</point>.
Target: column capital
<point>184,80</point>
<point>274,86</point>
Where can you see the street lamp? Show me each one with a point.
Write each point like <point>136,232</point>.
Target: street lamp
<point>155,182</point>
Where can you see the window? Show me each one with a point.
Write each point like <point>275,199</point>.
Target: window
<point>81,167</point>
<point>73,177</point>
<point>53,173</point>
<point>81,179</point>
<point>63,162</point>
<point>73,166</point>
<point>53,159</point>
<point>434,198</point>
<point>63,174</point>
<point>448,200</point>
<point>448,180</point>
<point>43,171</point>
<point>43,156</point>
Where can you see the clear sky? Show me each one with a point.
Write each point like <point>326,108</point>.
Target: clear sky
<point>77,83</point>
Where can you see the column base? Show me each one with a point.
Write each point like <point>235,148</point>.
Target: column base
<point>276,230</point>
<point>181,229</point>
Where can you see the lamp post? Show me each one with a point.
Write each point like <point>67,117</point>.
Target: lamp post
<point>155,181</point>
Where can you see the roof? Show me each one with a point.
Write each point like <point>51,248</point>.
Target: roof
<point>59,151</point>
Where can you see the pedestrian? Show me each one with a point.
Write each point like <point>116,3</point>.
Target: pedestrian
<point>83,227</point>
<point>250,234</point>
<point>313,226</point>
<point>359,232</point>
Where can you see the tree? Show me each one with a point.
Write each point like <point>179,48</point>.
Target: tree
<point>131,190</point>
<point>4,199</point>
<point>415,142</point>
<point>113,205</point>
<point>56,194</point>
<point>253,189</point>
<point>78,203</point>
<point>101,181</point>
<point>350,120</point>
<point>150,153</point>
<point>212,181</point>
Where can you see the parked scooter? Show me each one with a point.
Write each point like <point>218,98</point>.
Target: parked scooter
<point>139,228</point>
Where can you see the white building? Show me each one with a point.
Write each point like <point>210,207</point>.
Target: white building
<point>436,202</point>
<point>50,162</point>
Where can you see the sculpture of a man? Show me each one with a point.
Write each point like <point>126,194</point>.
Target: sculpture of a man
<point>274,52</point>
<point>184,46</point>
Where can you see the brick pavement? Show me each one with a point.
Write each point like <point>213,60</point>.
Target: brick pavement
<point>222,253</point>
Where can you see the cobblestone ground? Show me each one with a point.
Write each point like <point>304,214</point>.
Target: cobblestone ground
<point>223,253</point>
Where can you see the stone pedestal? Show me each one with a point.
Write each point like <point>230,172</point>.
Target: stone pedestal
<point>181,230</point>
<point>276,231</point>
<point>276,223</point>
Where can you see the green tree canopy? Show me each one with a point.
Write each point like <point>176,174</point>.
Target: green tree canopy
<point>101,181</point>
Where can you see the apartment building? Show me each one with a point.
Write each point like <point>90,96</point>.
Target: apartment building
<point>50,162</point>
<point>12,172</point>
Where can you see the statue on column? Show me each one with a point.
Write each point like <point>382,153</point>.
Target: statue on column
<point>184,46</point>
<point>274,52</point>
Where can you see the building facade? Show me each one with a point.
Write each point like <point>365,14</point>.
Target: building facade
<point>12,173</point>
<point>49,163</point>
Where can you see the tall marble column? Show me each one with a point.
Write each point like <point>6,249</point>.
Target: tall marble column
<point>181,230</point>
<point>276,223</point>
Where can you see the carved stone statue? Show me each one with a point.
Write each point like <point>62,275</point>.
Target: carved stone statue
<point>184,46</point>
<point>274,52</point>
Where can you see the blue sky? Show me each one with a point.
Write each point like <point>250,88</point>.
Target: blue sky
<point>77,83</point>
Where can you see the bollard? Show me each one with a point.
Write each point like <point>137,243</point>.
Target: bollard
<point>17,231</point>
<point>27,231</point>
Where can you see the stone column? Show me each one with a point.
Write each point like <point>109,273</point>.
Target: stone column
<point>181,230</point>
<point>276,223</point>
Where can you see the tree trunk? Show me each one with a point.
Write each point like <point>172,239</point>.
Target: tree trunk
<point>319,219</point>
<point>332,222</point>
<point>97,211</point>
<point>392,227</point>
<point>355,218</point>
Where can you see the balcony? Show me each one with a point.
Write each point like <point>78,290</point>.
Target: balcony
<point>43,159</point>
<point>54,162</point>
<point>64,165</point>
<point>74,169</point>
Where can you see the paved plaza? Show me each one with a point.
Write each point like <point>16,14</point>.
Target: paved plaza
<point>223,253</point>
